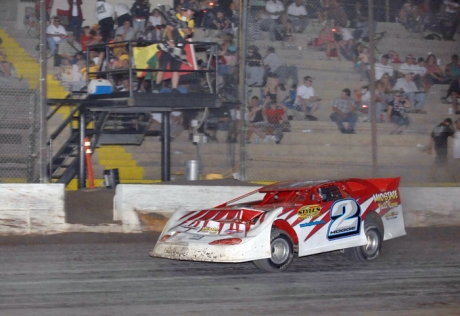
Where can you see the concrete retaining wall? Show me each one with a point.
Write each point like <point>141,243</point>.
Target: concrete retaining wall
<point>32,209</point>
<point>147,207</point>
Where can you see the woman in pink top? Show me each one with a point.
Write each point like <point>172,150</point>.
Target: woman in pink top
<point>434,73</point>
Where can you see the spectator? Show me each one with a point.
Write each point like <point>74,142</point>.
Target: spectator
<point>397,113</point>
<point>408,66</point>
<point>104,15</point>
<point>255,67</point>
<point>409,17</point>
<point>140,12</point>
<point>55,34</point>
<point>277,67</point>
<point>118,49</point>
<point>434,74</point>
<point>127,31</point>
<point>419,73</point>
<point>438,140</point>
<point>275,115</point>
<point>383,67</point>
<point>48,6</point>
<point>233,16</point>
<point>270,90</point>
<point>122,14</point>
<point>5,66</point>
<point>326,40</point>
<point>416,98</point>
<point>363,61</point>
<point>94,37</point>
<point>454,93</point>
<point>69,48</point>
<point>272,20</point>
<point>337,13</point>
<point>156,19</point>
<point>297,16</point>
<point>256,120</point>
<point>306,100</point>
<point>75,17</point>
<point>344,110</point>
<point>365,104</point>
<point>221,23</point>
<point>384,90</point>
<point>448,18</point>
<point>345,42</point>
<point>84,38</point>
<point>172,49</point>
<point>453,69</point>
<point>323,11</point>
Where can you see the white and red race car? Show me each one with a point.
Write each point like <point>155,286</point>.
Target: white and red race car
<point>267,226</point>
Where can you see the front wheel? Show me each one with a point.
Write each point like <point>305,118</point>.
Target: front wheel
<point>371,250</point>
<point>282,253</point>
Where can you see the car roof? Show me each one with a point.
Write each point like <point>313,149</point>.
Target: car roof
<point>293,185</point>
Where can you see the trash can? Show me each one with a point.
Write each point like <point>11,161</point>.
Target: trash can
<point>192,170</point>
<point>111,178</point>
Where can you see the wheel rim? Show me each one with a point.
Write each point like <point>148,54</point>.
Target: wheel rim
<point>280,251</point>
<point>372,245</point>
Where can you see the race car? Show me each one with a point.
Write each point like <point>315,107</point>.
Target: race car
<point>269,225</point>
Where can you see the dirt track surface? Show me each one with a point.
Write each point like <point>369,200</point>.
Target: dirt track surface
<point>111,274</point>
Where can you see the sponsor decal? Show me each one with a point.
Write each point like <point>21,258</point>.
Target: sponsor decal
<point>231,231</point>
<point>309,211</point>
<point>210,230</point>
<point>387,200</point>
<point>312,223</point>
<point>391,215</point>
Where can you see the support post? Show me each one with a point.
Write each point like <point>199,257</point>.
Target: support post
<point>89,165</point>
<point>81,151</point>
<point>165,147</point>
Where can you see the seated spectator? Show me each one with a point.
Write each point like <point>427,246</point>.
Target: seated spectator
<point>84,37</point>
<point>275,115</point>
<point>419,73</point>
<point>69,48</point>
<point>326,40</point>
<point>256,121</point>
<point>323,11</point>
<point>277,67</point>
<point>297,17</point>
<point>434,73</point>
<point>447,19</point>
<point>363,61</point>
<point>365,103</point>
<point>118,49</point>
<point>337,13</point>
<point>271,89</point>
<point>454,93</point>
<point>221,23</point>
<point>345,42</point>
<point>344,110</point>
<point>397,113</point>
<point>416,98</point>
<point>127,31</point>
<point>5,66</point>
<point>409,17</point>
<point>272,20</point>
<point>408,66</point>
<point>452,69</point>
<point>255,67</point>
<point>306,100</point>
<point>384,90</point>
<point>383,67</point>
<point>156,19</point>
<point>93,37</point>
<point>55,34</point>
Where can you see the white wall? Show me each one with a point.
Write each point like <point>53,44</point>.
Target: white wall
<point>32,209</point>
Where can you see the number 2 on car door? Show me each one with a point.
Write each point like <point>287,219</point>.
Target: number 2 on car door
<point>345,219</point>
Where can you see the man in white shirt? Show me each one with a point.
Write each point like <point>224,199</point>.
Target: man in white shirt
<point>272,20</point>
<point>383,67</point>
<point>104,14</point>
<point>297,16</point>
<point>408,65</point>
<point>55,34</point>
<point>306,99</point>
<point>122,14</point>
<point>416,98</point>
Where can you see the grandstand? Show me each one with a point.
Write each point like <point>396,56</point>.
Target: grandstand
<point>312,150</point>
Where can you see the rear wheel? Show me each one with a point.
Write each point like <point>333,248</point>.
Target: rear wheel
<point>371,250</point>
<point>282,253</point>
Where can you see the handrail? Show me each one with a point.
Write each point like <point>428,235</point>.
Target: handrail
<point>63,125</point>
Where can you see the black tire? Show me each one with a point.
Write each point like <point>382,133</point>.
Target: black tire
<point>371,250</point>
<point>282,250</point>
